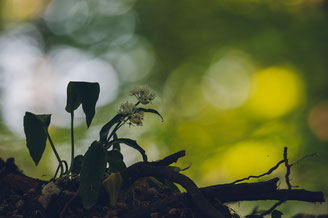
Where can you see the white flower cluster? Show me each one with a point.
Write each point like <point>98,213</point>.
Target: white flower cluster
<point>143,94</point>
<point>127,108</point>
<point>130,111</point>
<point>136,118</point>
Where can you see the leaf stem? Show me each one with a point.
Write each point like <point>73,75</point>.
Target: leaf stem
<point>114,130</point>
<point>118,125</point>
<point>56,153</point>
<point>72,141</point>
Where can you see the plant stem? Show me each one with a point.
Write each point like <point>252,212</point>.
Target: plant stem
<point>56,154</point>
<point>118,125</point>
<point>72,141</point>
<point>114,130</point>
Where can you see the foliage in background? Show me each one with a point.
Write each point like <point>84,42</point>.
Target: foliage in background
<point>178,51</point>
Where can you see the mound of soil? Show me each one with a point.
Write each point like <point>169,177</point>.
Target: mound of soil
<point>141,195</point>
<point>20,197</point>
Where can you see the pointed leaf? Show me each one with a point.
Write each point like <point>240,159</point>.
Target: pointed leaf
<point>35,127</point>
<point>92,173</point>
<point>83,92</point>
<point>103,134</point>
<point>151,111</point>
<point>73,98</point>
<point>45,119</point>
<point>115,161</point>
<point>113,185</point>
<point>89,94</point>
<point>130,143</point>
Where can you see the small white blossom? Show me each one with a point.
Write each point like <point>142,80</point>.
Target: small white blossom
<point>127,108</point>
<point>136,118</point>
<point>143,94</point>
<point>133,115</point>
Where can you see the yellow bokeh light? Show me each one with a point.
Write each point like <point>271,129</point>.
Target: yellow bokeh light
<point>192,134</point>
<point>18,10</point>
<point>275,91</point>
<point>242,160</point>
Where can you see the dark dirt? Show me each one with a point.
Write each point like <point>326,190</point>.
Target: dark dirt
<point>19,197</point>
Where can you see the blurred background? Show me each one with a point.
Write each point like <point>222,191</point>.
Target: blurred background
<point>236,81</point>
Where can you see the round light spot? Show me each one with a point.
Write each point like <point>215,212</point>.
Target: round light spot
<point>318,120</point>
<point>240,161</point>
<point>275,92</point>
<point>14,10</point>
<point>226,84</point>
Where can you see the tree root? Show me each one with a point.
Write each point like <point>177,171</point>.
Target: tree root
<point>143,169</point>
<point>228,193</point>
<point>203,198</point>
<point>224,193</point>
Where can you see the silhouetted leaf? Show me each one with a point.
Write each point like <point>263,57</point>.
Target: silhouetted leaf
<point>73,98</point>
<point>150,111</point>
<point>112,185</point>
<point>92,173</point>
<point>115,161</point>
<point>276,214</point>
<point>76,168</point>
<point>84,93</point>
<point>130,143</point>
<point>103,134</point>
<point>35,127</point>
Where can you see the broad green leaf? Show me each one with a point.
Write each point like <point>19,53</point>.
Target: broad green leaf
<point>73,98</point>
<point>45,119</point>
<point>76,168</point>
<point>112,185</point>
<point>35,128</point>
<point>103,134</point>
<point>130,143</point>
<point>84,93</point>
<point>150,111</point>
<point>276,214</point>
<point>92,172</point>
<point>89,97</point>
<point>115,161</point>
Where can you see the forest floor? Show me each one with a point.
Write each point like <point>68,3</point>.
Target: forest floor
<point>22,196</point>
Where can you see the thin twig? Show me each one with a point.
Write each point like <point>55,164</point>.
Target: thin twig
<point>303,158</point>
<point>269,211</point>
<point>288,166</point>
<point>256,177</point>
<point>289,185</point>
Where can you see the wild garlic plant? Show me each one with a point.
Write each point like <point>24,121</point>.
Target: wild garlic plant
<point>104,154</point>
